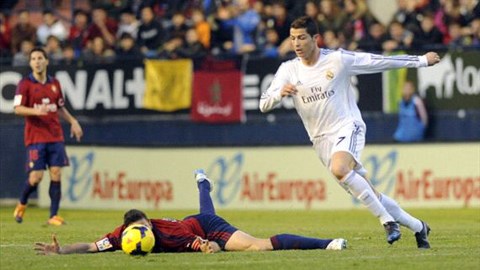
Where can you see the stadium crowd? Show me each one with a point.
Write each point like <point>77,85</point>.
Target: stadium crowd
<point>107,30</point>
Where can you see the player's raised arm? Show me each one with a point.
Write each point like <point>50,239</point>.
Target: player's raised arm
<point>54,248</point>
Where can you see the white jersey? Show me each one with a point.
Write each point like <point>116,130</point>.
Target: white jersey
<point>325,99</point>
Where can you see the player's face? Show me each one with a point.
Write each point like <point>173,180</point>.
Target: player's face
<point>38,62</point>
<point>303,43</point>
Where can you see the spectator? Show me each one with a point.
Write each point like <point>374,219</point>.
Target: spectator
<point>101,26</point>
<point>330,40</point>
<point>373,41</point>
<point>331,17</point>
<point>78,31</point>
<point>427,36</point>
<point>475,33</point>
<point>98,52</point>
<point>202,27</point>
<point>406,14</point>
<point>128,24</point>
<point>413,117</point>
<point>150,33</point>
<point>359,20</point>
<point>469,11</point>
<point>245,24</point>
<point>53,48</point>
<point>22,57</point>
<point>222,31</point>
<point>270,48</point>
<point>192,47</point>
<point>69,55</point>
<point>457,40</point>
<point>126,47</point>
<point>5,36</point>
<point>177,27</point>
<point>170,48</point>
<point>282,20</point>
<point>398,38</point>
<point>51,26</point>
<point>312,10</point>
<point>446,15</point>
<point>23,30</point>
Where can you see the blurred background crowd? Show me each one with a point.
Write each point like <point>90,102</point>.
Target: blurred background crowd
<point>78,32</point>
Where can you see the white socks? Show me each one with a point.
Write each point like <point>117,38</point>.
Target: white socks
<point>360,188</point>
<point>400,215</point>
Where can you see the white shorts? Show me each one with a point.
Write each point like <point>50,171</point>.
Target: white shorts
<point>350,138</point>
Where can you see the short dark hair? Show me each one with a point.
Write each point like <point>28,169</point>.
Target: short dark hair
<point>38,49</point>
<point>306,22</point>
<point>133,215</point>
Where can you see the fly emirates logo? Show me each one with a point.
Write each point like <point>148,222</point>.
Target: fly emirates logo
<point>316,93</point>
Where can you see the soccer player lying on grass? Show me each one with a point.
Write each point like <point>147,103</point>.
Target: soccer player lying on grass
<point>205,232</point>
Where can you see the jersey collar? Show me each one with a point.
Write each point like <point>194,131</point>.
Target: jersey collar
<point>32,78</point>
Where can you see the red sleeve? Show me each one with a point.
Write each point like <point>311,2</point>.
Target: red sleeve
<point>61,100</point>
<point>21,94</point>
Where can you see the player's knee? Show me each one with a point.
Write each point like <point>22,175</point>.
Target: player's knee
<point>340,170</point>
<point>35,178</point>
<point>55,174</point>
<point>257,247</point>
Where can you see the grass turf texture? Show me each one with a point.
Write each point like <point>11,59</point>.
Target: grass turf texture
<point>455,240</point>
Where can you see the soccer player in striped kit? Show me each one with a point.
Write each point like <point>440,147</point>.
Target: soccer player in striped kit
<point>318,80</point>
<point>205,232</point>
<point>40,100</point>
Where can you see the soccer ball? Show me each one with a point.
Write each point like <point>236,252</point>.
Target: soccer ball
<point>137,239</point>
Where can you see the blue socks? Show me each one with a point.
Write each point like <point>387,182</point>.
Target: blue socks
<point>27,190</point>
<point>290,241</point>
<point>55,193</point>
<point>206,204</point>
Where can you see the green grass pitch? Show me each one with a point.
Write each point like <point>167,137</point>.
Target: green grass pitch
<point>455,240</point>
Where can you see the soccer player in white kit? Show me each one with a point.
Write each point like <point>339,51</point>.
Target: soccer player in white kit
<point>318,80</point>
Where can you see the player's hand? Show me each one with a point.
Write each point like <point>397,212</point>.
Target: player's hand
<point>432,58</point>
<point>48,249</point>
<point>209,246</point>
<point>288,90</point>
<point>76,130</point>
<point>41,110</point>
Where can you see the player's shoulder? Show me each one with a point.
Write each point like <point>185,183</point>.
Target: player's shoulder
<point>52,79</point>
<point>336,53</point>
<point>291,62</point>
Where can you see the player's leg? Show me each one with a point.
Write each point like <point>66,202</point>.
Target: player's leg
<point>57,158</point>
<point>241,241</point>
<point>420,228</point>
<point>205,186</point>
<point>346,146</point>
<point>35,164</point>
<point>55,193</point>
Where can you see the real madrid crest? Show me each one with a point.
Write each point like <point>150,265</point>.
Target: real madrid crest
<point>329,75</point>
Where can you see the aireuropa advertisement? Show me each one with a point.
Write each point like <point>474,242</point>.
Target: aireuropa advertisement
<point>420,176</point>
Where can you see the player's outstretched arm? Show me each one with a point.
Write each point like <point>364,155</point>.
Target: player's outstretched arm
<point>54,248</point>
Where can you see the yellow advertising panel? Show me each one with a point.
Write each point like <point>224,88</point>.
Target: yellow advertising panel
<point>420,176</point>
